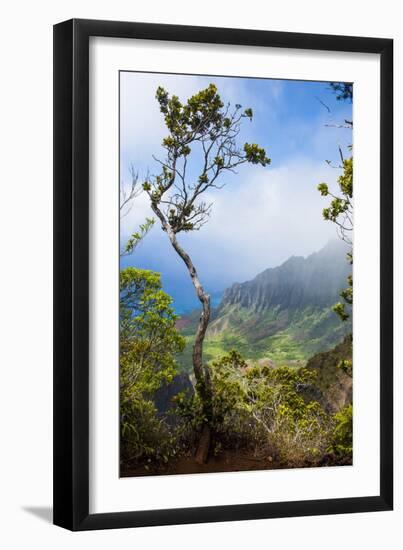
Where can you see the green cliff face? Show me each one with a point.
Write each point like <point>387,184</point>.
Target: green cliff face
<point>283,315</point>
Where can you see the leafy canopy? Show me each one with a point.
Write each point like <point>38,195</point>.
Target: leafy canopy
<point>205,124</point>
<point>148,344</point>
<point>149,339</point>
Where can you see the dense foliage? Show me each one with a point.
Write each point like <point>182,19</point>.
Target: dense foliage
<point>269,412</point>
<point>342,436</point>
<point>148,344</point>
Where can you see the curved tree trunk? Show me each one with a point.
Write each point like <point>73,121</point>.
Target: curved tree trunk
<point>202,374</point>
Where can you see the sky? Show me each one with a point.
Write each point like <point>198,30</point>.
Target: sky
<point>262,216</point>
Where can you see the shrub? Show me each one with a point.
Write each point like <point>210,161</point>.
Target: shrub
<point>148,344</point>
<point>342,436</point>
<point>265,410</point>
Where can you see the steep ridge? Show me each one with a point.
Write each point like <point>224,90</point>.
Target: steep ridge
<point>297,283</point>
<point>284,314</point>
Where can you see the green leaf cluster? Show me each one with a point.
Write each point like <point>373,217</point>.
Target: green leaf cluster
<point>346,365</point>
<point>340,309</point>
<point>135,239</point>
<point>201,113</point>
<point>342,434</point>
<point>255,154</point>
<point>345,180</point>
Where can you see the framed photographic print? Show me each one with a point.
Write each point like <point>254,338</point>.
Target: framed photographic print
<point>223,322</point>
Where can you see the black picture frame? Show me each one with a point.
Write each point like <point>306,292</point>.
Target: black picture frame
<point>71,274</point>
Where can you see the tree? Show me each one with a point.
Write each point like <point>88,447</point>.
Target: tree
<point>149,341</point>
<point>136,237</point>
<point>127,196</point>
<point>176,193</point>
<point>343,90</point>
<point>129,192</point>
<point>340,210</point>
<point>147,323</point>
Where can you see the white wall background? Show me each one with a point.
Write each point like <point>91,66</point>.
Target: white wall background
<point>26,278</point>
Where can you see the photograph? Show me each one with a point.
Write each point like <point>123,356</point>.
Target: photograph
<point>212,347</point>
<point>236,262</point>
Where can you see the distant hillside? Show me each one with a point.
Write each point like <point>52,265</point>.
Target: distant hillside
<point>283,315</point>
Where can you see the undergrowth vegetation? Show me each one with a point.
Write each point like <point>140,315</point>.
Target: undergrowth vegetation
<point>268,412</point>
<point>272,413</point>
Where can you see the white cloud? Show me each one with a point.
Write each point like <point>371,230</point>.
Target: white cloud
<point>260,218</point>
<point>141,125</point>
<point>271,215</point>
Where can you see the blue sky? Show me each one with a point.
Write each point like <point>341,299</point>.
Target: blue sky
<point>263,215</point>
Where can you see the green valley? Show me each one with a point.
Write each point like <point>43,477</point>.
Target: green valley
<point>282,317</point>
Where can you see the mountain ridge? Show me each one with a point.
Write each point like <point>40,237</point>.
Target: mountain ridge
<point>283,315</point>
<point>297,282</point>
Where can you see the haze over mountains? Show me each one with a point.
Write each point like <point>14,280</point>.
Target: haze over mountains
<point>284,314</point>
<point>297,283</point>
